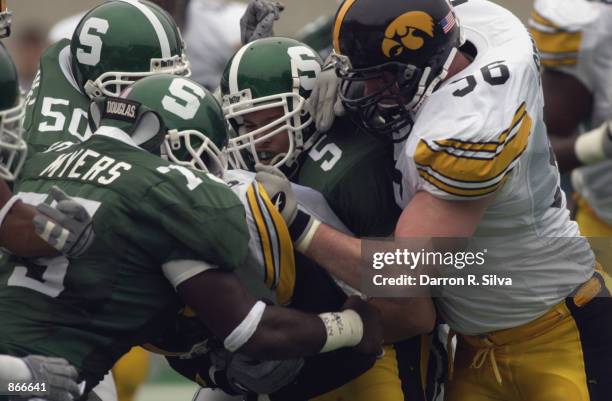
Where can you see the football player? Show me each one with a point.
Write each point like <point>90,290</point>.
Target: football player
<point>265,87</point>
<point>114,45</point>
<point>573,39</point>
<point>15,221</point>
<point>458,90</point>
<point>16,229</point>
<point>269,271</point>
<point>163,226</point>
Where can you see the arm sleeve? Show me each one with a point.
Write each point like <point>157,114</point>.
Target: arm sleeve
<point>473,162</point>
<point>178,271</point>
<point>562,33</point>
<point>208,222</point>
<point>271,242</point>
<point>31,103</point>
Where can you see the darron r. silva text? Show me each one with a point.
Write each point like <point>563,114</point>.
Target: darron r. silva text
<point>424,279</point>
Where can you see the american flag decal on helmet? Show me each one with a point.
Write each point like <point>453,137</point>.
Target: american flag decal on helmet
<point>448,22</point>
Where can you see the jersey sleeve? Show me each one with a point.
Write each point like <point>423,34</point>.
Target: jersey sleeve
<point>271,242</point>
<point>31,102</point>
<point>473,158</point>
<point>203,216</point>
<point>565,33</point>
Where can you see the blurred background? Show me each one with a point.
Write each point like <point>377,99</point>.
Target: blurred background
<point>211,30</point>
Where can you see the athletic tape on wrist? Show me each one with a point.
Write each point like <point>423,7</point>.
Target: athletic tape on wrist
<point>302,230</point>
<point>303,243</point>
<point>7,208</point>
<point>245,330</point>
<point>344,329</point>
<point>299,225</point>
<point>588,146</point>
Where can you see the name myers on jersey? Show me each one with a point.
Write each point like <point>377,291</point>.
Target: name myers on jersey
<point>104,170</point>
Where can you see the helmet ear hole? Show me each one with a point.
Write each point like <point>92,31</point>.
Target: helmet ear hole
<point>149,131</point>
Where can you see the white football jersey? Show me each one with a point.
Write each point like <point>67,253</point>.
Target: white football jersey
<point>269,271</point>
<point>481,133</point>
<point>575,37</point>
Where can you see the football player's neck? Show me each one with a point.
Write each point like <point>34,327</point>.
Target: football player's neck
<point>461,61</point>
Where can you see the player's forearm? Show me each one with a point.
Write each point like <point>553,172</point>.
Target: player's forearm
<point>262,331</point>
<point>338,253</point>
<point>286,333</point>
<point>18,236</point>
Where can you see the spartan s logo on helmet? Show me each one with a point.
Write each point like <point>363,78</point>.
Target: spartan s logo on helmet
<point>400,34</point>
<point>122,41</point>
<point>271,73</point>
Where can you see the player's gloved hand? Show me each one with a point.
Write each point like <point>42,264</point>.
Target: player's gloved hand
<point>67,227</point>
<point>258,20</point>
<point>301,224</point>
<point>372,339</point>
<point>324,104</point>
<point>596,145</point>
<point>5,24</point>
<point>59,376</point>
<point>249,375</point>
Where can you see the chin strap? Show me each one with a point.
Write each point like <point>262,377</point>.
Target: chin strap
<point>301,147</point>
<point>425,90</point>
<point>92,90</point>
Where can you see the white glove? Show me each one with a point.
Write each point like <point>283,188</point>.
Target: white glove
<point>5,24</point>
<point>59,376</point>
<point>258,20</point>
<point>302,225</point>
<point>324,104</point>
<point>67,227</point>
<point>596,145</point>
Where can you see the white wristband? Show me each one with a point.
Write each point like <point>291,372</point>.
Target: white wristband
<point>588,146</point>
<point>344,329</point>
<point>12,370</point>
<point>245,330</point>
<point>304,241</point>
<point>7,208</point>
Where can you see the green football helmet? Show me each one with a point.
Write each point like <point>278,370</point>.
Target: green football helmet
<point>121,41</point>
<point>12,109</point>
<point>266,74</point>
<point>192,132</point>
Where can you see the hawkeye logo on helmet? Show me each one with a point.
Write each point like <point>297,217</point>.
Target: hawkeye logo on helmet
<point>121,109</point>
<point>400,34</point>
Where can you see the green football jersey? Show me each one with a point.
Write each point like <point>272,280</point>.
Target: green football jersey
<point>56,109</point>
<point>354,172</point>
<point>148,215</point>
